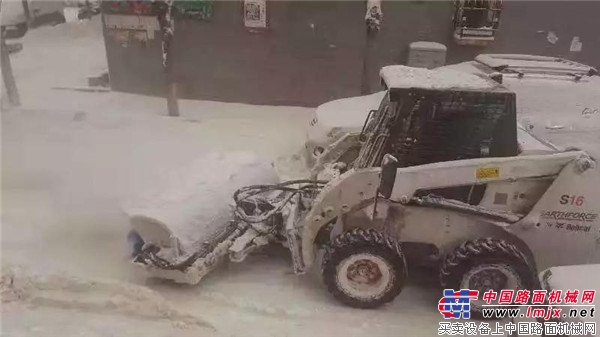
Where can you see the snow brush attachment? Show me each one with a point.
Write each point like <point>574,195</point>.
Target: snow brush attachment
<point>185,220</point>
<point>183,231</point>
<point>257,220</point>
<point>149,254</point>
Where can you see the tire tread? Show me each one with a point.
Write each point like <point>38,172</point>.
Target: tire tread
<point>359,239</point>
<point>480,251</point>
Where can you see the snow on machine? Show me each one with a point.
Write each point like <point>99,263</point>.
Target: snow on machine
<point>443,177</point>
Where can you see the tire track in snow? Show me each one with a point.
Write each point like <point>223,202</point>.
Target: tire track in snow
<point>98,296</point>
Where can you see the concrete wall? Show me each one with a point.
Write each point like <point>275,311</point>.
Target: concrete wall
<point>308,55</point>
<point>314,51</point>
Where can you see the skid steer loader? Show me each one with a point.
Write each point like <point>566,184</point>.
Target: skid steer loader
<point>442,178</point>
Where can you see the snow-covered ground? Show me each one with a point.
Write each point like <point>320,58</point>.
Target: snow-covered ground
<point>69,158</point>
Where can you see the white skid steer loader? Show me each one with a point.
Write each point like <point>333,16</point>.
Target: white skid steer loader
<point>441,179</point>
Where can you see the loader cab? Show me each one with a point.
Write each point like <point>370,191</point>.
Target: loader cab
<point>431,116</point>
<point>437,115</point>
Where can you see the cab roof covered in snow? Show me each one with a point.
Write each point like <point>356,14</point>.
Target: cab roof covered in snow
<point>403,77</point>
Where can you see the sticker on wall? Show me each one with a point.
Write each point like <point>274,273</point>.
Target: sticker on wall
<point>552,38</point>
<point>255,13</point>
<point>576,44</point>
<point>196,9</point>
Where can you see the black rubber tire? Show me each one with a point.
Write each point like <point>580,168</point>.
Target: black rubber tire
<point>484,251</point>
<point>369,241</point>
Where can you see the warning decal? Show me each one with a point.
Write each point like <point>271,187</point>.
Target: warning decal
<point>487,172</point>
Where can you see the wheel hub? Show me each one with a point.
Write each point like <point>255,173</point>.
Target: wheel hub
<point>487,279</point>
<point>364,272</point>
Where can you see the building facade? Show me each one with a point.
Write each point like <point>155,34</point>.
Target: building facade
<point>309,52</point>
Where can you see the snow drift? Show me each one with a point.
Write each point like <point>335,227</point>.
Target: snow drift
<point>194,203</point>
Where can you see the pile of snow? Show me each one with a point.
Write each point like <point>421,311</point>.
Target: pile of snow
<point>348,112</point>
<point>399,76</point>
<point>194,202</point>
